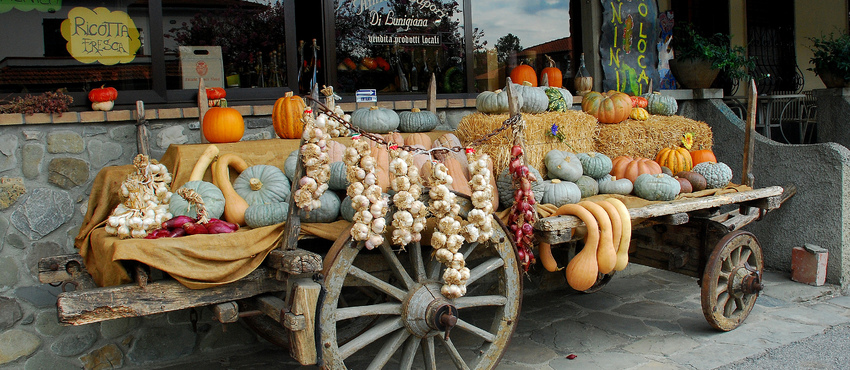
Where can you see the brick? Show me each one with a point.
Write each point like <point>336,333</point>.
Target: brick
<point>808,265</point>
<point>11,119</point>
<point>348,107</point>
<point>67,117</point>
<point>442,103</point>
<point>92,116</point>
<point>470,103</point>
<point>403,105</point>
<point>191,112</point>
<point>457,103</point>
<point>170,113</point>
<point>126,115</point>
<point>244,110</point>
<point>38,118</point>
<point>386,104</point>
<point>421,104</point>
<point>263,110</point>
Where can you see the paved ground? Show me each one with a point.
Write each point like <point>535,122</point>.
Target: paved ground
<point>643,319</point>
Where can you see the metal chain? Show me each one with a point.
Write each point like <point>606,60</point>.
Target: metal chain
<point>510,122</point>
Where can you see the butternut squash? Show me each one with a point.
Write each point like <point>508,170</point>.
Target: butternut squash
<point>616,224</point>
<point>583,269</point>
<point>234,204</point>
<point>625,236</point>
<point>203,162</point>
<point>606,256</point>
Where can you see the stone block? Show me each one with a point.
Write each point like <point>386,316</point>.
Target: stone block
<point>17,343</point>
<point>808,264</point>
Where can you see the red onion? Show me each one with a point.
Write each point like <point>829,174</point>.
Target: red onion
<point>177,222</point>
<point>516,151</point>
<point>193,228</point>
<point>527,229</point>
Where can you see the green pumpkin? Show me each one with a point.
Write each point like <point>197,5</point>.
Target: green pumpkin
<point>262,184</point>
<point>559,192</point>
<point>610,185</point>
<point>417,121</point>
<point>290,165</point>
<point>494,102</point>
<point>595,165</point>
<point>534,99</point>
<point>717,175</point>
<point>588,186</point>
<point>657,187</point>
<point>505,186</point>
<point>260,215</point>
<point>564,165</point>
<point>560,100</point>
<point>661,104</point>
<point>375,119</point>
<point>211,195</point>
<point>328,212</point>
<point>338,180</point>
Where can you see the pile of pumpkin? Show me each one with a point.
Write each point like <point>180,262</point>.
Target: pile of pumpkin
<point>616,107</point>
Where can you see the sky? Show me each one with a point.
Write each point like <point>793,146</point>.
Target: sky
<point>533,21</point>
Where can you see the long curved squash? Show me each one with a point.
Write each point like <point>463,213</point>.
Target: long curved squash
<point>234,204</point>
<point>625,236</point>
<point>606,256</point>
<point>583,269</point>
<point>616,224</point>
<point>203,162</point>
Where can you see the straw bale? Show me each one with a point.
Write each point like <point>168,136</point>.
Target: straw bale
<point>646,138</point>
<point>578,129</point>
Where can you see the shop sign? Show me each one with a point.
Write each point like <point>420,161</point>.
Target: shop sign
<point>366,96</point>
<point>385,22</point>
<point>628,45</point>
<point>100,35</point>
<point>44,6</point>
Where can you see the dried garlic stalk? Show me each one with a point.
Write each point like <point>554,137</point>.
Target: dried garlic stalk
<point>447,239</point>
<point>367,199</point>
<point>145,206</point>
<point>409,218</point>
<point>316,161</point>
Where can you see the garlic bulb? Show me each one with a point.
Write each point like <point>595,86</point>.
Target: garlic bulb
<point>370,205</point>
<point>145,204</point>
<point>409,219</point>
<point>480,227</point>
<point>446,239</point>
<point>314,157</point>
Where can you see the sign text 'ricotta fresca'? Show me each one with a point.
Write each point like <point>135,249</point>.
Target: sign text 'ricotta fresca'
<point>100,35</point>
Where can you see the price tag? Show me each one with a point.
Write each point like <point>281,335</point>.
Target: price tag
<point>366,96</point>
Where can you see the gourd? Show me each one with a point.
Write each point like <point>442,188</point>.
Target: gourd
<point>417,121</point>
<point>553,75</point>
<point>203,163</point>
<point>103,98</point>
<point>338,179</point>
<point>346,210</point>
<point>583,269</point>
<point>335,151</point>
<point>262,184</point>
<point>505,186</point>
<point>656,187</point>
<point>666,170</point>
<point>630,168</point>
<point>450,140</point>
<point>639,114</point>
<point>588,186</point>
<point>223,125</point>
<point>287,116</point>
<point>460,182</point>
<point>328,212</point>
<point>611,185</point>
<point>717,175</point>
<point>494,102</point>
<point>534,99</point>
<point>703,155</point>
<point>595,165</point>
<point>234,204</point>
<point>418,139</point>
<point>610,107</point>
<point>559,192</point>
<point>677,159</point>
<point>524,73</point>
<point>211,195</point>
<point>215,95</point>
<point>606,256</point>
<point>563,165</point>
<point>661,104</point>
<point>616,235</point>
<point>697,181</point>
<point>260,215</point>
<point>290,164</point>
<point>685,185</point>
<point>560,100</point>
<point>625,233</point>
<point>394,138</point>
<point>382,162</point>
<point>639,101</point>
<point>375,119</point>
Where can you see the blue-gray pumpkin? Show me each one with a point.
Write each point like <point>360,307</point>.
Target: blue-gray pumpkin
<point>657,187</point>
<point>559,192</point>
<point>417,121</point>
<point>375,119</point>
<point>260,215</point>
<point>262,184</point>
<point>328,212</point>
<point>210,194</point>
<point>290,165</point>
<point>564,165</point>
<point>338,179</point>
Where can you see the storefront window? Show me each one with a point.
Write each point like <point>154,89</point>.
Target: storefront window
<point>508,33</point>
<point>394,46</point>
<point>74,45</point>
<point>238,44</point>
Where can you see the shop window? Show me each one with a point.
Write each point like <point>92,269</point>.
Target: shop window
<point>501,42</point>
<point>49,45</point>
<point>395,46</point>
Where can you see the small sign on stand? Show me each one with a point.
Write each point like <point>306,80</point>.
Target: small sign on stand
<point>366,96</point>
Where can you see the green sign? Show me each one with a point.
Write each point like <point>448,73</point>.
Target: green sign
<point>44,6</point>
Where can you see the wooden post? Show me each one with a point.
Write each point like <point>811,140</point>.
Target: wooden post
<point>747,177</point>
<point>203,107</point>
<point>142,135</point>
<point>302,303</point>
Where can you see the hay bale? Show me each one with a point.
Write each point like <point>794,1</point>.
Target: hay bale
<point>578,130</point>
<point>646,138</point>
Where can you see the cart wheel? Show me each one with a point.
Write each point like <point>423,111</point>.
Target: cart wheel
<point>732,280</point>
<point>413,315</point>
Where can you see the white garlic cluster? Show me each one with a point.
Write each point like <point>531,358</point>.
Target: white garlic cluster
<point>336,128</point>
<point>480,226</point>
<point>316,162</point>
<point>409,218</point>
<point>447,239</point>
<point>367,199</point>
<point>145,206</point>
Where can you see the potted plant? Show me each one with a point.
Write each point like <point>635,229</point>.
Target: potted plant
<point>699,59</point>
<point>831,59</point>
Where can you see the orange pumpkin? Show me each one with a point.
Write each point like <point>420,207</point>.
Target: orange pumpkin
<point>552,73</point>
<point>524,73</point>
<point>626,167</point>
<point>639,101</point>
<point>703,155</point>
<point>677,159</point>
<point>287,116</point>
<point>223,125</point>
<point>418,138</point>
<point>610,107</point>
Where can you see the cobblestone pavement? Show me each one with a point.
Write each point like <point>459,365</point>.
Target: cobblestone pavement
<point>642,319</point>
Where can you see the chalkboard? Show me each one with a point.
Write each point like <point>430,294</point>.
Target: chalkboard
<point>628,45</point>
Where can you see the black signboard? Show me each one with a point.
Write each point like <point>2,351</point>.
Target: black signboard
<point>628,45</point>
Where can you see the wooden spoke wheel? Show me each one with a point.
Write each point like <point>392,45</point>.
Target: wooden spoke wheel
<point>410,323</point>
<point>732,280</point>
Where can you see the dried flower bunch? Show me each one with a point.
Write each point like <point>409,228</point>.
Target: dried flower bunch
<point>48,102</point>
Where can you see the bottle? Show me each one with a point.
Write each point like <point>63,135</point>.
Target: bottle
<point>425,78</point>
<point>583,80</point>
<point>414,72</point>
<point>438,71</point>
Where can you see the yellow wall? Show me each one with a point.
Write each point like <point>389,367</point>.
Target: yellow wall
<point>813,19</point>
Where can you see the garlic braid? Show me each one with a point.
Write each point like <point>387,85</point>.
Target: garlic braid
<point>480,226</point>
<point>370,205</point>
<point>446,239</point>
<point>409,218</point>
<point>314,156</point>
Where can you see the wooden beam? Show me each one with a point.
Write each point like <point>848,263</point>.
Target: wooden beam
<point>203,107</point>
<point>305,298</point>
<point>226,313</point>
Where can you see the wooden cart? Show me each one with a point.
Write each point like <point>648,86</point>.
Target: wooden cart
<point>327,304</point>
